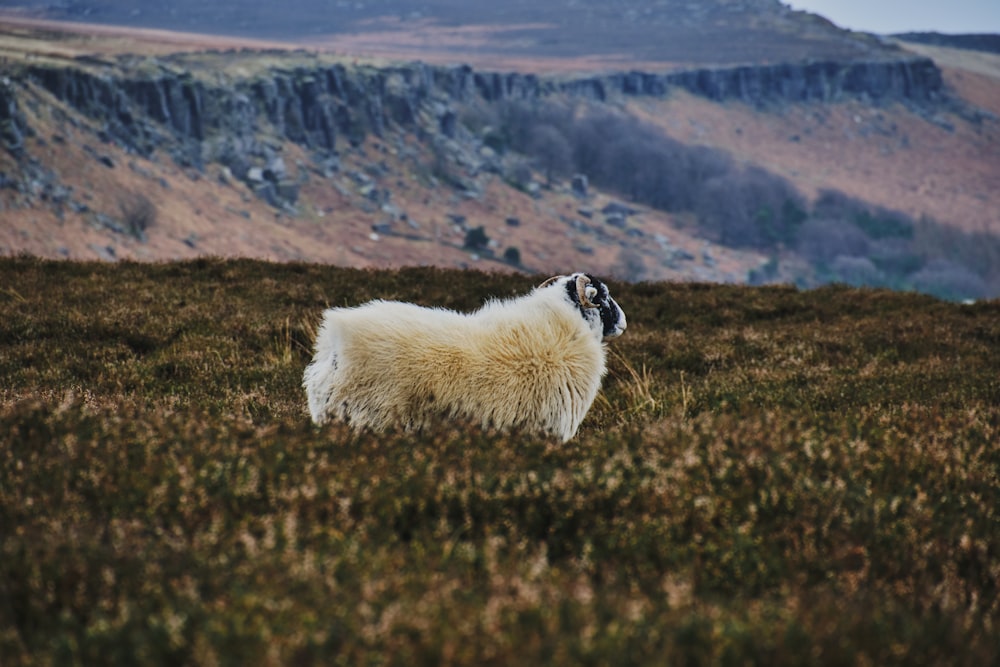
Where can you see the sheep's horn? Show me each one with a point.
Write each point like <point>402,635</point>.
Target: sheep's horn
<point>581,289</point>
<point>549,281</point>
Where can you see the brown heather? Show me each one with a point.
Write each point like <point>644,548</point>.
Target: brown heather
<point>770,477</point>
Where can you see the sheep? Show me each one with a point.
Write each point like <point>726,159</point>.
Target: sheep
<point>534,362</point>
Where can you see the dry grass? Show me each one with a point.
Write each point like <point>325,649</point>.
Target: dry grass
<point>771,477</point>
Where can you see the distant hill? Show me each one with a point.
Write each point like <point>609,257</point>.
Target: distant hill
<point>664,31</point>
<point>988,43</point>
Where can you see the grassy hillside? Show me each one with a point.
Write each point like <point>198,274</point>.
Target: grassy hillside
<point>770,477</point>
<point>386,165</point>
<point>671,31</point>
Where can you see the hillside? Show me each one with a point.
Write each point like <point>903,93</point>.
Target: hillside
<point>769,476</point>
<point>720,32</point>
<point>357,179</point>
<point>984,43</point>
<point>381,162</point>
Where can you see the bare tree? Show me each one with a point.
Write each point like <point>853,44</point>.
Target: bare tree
<point>552,150</point>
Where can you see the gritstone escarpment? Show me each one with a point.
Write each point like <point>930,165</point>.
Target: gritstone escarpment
<point>179,106</point>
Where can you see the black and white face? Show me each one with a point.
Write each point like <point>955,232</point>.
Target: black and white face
<point>596,305</point>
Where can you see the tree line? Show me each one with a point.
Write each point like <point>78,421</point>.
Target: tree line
<point>843,239</point>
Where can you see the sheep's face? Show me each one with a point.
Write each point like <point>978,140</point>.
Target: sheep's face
<point>597,308</point>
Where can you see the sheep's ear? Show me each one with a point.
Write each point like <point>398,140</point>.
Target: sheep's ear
<point>591,292</point>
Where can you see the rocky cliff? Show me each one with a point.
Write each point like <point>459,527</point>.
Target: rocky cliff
<point>13,126</point>
<point>199,115</point>
<point>911,80</point>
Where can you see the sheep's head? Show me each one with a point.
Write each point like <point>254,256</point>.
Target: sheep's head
<point>591,296</point>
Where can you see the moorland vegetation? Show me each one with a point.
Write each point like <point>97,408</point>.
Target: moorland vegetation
<point>770,476</point>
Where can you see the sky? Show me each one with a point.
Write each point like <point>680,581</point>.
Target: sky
<point>889,16</point>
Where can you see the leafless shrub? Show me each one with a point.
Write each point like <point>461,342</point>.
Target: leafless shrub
<point>947,280</point>
<point>750,207</point>
<point>138,214</point>
<point>552,149</point>
<point>977,251</point>
<point>856,271</point>
<point>518,173</point>
<point>476,239</point>
<point>822,241</point>
<point>630,266</point>
<point>895,257</point>
<point>875,221</point>
<point>479,118</point>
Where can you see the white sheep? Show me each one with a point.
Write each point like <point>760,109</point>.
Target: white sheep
<point>534,362</point>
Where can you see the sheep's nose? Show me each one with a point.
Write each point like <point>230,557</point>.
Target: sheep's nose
<point>619,330</point>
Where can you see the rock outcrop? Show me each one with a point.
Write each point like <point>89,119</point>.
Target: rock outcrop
<point>199,116</point>
<point>912,80</point>
<point>12,123</point>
